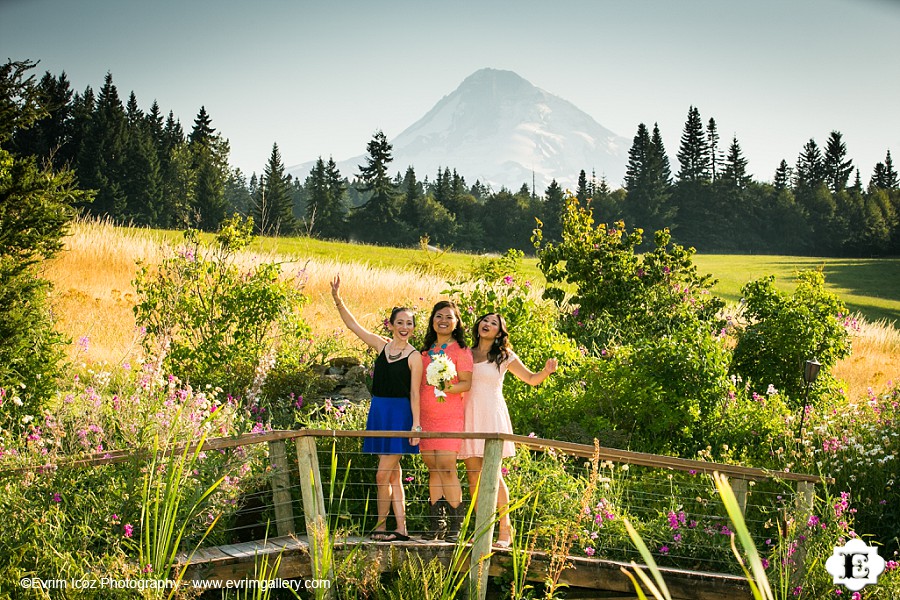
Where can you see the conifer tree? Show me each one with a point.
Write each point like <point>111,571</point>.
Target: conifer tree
<point>694,153</point>
<point>209,154</point>
<point>810,170</point>
<point>103,168</point>
<point>583,194</point>
<point>554,206</point>
<point>837,171</point>
<point>50,137</point>
<point>782,178</point>
<point>36,205</point>
<point>273,210</point>
<point>379,212</point>
<point>648,182</point>
<point>734,173</point>
<point>712,134</point>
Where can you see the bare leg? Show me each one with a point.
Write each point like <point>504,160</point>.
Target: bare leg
<point>435,490</point>
<point>504,534</point>
<point>387,464</point>
<point>398,499</point>
<point>473,471</point>
<point>445,469</point>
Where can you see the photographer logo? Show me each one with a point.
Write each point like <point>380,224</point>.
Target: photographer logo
<point>855,565</point>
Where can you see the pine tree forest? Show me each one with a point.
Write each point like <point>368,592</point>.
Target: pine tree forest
<point>145,168</point>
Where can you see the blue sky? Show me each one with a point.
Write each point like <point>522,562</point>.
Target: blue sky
<point>320,77</point>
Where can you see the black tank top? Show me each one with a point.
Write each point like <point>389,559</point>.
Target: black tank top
<point>391,379</point>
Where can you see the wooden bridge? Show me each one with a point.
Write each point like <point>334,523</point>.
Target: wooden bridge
<point>312,553</point>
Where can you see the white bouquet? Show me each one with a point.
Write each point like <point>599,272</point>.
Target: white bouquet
<point>439,372</point>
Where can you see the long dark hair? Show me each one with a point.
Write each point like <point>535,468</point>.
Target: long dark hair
<point>501,347</point>
<point>458,334</point>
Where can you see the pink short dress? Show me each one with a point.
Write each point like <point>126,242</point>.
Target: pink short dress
<point>448,415</point>
<point>486,408</point>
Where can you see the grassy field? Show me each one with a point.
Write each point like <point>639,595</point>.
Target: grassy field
<point>93,295</point>
<point>870,287</point>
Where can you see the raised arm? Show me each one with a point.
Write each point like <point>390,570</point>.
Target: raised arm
<point>371,339</point>
<point>517,368</point>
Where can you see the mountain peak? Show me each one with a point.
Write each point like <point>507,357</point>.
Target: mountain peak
<point>500,129</point>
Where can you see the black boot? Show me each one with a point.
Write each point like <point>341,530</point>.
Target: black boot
<point>437,520</point>
<point>455,518</point>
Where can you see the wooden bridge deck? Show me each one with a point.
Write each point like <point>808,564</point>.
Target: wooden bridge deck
<point>236,562</point>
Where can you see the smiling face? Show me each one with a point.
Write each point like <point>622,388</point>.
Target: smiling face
<point>444,322</point>
<point>402,325</point>
<point>488,327</point>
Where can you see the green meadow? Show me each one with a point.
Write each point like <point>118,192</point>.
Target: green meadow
<point>868,286</point>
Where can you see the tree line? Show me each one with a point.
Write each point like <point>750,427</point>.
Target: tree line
<point>146,169</point>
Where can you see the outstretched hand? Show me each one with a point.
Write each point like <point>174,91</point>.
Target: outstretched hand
<point>551,365</point>
<point>336,287</point>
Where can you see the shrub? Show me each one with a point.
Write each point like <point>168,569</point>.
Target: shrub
<point>618,296</point>
<point>222,326</point>
<point>500,287</point>
<point>785,330</point>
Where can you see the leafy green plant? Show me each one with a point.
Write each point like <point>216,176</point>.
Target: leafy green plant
<point>782,331</point>
<point>221,323</point>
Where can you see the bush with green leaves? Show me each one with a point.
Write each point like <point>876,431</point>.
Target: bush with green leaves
<point>497,285</point>
<point>613,295</point>
<point>783,331</point>
<point>656,365</point>
<point>221,324</point>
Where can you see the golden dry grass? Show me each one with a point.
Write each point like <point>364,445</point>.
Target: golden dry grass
<point>93,293</point>
<point>93,298</point>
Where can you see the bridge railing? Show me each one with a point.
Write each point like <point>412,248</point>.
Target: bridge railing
<point>662,485</point>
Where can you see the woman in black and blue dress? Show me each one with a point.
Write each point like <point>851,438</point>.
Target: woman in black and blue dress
<point>395,407</point>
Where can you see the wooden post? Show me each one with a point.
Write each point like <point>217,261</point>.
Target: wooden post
<point>480,560</point>
<point>804,504</point>
<point>739,487</point>
<point>320,550</point>
<point>281,488</point>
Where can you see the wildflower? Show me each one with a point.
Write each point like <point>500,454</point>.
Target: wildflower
<point>57,498</point>
<point>504,471</point>
<point>409,479</point>
<point>812,521</point>
<point>663,549</point>
<point>765,563</point>
<point>798,590</point>
<point>508,280</point>
<point>129,530</point>
<point>589,551</point>
<point>890,565</point>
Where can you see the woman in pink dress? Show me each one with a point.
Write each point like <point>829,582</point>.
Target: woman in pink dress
<point>486,408</point>
<point>445,336</point>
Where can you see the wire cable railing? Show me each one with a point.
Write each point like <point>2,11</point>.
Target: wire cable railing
<point>315,479</point>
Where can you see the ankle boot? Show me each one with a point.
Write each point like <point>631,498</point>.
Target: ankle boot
<point>455,518</point>
<point>437,520</point>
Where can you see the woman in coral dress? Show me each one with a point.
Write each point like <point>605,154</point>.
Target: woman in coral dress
<point>447,337</point>
<point>486,409</point>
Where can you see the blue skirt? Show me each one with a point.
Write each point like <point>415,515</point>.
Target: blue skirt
<point>389,414</point>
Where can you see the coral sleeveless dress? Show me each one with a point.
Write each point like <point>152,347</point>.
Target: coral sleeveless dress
<point>486,408</point>
<point>448,415</point>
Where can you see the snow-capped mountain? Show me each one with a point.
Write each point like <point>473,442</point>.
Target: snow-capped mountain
<point>498,128</point>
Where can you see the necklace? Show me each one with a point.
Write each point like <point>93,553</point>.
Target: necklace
<point>393,357</point>
<point>432,353</point>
